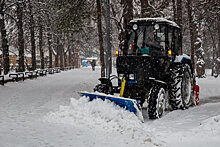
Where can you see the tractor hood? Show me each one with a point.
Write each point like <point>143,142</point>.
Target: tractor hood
<point>141,66</point>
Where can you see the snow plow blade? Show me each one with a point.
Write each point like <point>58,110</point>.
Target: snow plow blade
<point>131,105</point>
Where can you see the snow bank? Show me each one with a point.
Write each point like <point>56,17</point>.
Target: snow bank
<point>94,113</point>
<point>209,87</point>
<point>104,116</point>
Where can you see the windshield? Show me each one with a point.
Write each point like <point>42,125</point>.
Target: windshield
<point>146,38</point>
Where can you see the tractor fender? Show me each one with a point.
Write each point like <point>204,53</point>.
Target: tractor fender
<point>183,59</point>
<point>158,82</point>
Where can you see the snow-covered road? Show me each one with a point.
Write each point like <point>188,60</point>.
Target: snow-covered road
<point>23,104</point>
<point>48,112</point>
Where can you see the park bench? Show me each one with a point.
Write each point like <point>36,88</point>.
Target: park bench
<point>50,70</point>
<point>66,68</point>
<point>45,72</point>
<point>2,79</point>
<point>57,70</point>
<point>31,74</point>
<point>42,72</point>
<point>16,76</point>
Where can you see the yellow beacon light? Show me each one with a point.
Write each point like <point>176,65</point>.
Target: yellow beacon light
<point>169,52</point>
<point>117,52</point>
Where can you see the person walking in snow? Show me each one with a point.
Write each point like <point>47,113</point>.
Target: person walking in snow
<point>93,64</point>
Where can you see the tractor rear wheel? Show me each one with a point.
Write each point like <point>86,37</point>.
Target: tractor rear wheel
<point>181,87</point>
<point>156,102</point>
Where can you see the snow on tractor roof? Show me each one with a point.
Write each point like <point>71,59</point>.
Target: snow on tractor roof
<point>158,19</point>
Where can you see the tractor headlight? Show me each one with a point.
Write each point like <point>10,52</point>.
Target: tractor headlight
<point>120,76</point>
<point>131,76</point>
<point>135,27</point>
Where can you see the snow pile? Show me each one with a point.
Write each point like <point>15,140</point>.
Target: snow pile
<point>94,113</point>
<point>104,116</point>
<point>209,87</point>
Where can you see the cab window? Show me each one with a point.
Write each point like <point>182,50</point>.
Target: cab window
<point>174,40</point>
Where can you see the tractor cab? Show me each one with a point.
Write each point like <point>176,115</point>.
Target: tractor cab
<point>153,37</point>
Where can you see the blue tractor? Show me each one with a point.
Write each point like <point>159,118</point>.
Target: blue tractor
<point>152,72</point>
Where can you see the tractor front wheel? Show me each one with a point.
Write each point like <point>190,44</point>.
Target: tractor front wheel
<point>156,102</point>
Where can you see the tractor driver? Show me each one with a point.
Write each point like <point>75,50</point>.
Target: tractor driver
<point>150,40</point>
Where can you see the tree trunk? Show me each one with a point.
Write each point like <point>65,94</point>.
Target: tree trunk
<point>73,57</point>
<point>128,15</point>
<point>41,43</point>
<point>218,35</point>
<point>179,13</point>
<point>50,51</point>
<point>214,52</point>
<point>57,51</point>
<point>21,67</point>
<point>61,56</point>
<point>70,58</point>
<point>192,37</point>
<point>65,60</point>
<point>5,46</point>
<point>69,50</point>
<point>99,25</point>
<point>49,39</point>
<point>179,18</point>
<point>174,10</point>
<point>65,52</point>
<point>33,47</point>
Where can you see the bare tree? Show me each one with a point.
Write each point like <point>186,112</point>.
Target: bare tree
<point>174,10</point>
<point>5,46</point>
<point>99,26</point>
<point>20,7</point>
<point>192,37</point>
<point>127,15</point>
<point>218,18</point>
<point>49,38</point>
<point>41,42</point>
<point>57,51</point>
<point>32,32</point>
<point>179,17</point>
<point>69,49</point>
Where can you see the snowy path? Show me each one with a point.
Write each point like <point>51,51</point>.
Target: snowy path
<point>186,128</point>
<point>22,105</point>
<point>31,115</point>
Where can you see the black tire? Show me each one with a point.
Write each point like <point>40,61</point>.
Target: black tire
<point>156,102</point>
<point>216,76</point>
<point>181,87</point>
<point>103,88</point>
<point>215,73</point>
